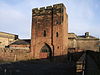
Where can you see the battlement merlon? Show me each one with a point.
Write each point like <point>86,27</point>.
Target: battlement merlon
<point>48,10</point>
<point>49,7</point>
<point>57,6</point>
<point>42,11</point>
<point>35,11</point>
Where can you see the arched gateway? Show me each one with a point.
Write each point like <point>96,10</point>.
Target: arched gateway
<point>50,26</point>
<point>46,51</point>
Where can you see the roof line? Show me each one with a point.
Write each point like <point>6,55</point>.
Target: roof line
<point>7,33</point>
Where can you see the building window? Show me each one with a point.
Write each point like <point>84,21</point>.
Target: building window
<point>44,33</point>
<point>58,47</point>
<point>56,34</point>
<point>56,22</point>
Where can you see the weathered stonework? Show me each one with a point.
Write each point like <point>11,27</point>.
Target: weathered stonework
<point>49,28</point>
<point>88,44</point>
<point>20,44</point>
<point>49,37</point>
<point>81,43</point>
<point>6,39</point>
<point>11,54</point>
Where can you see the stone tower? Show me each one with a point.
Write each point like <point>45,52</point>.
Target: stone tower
<point>49,31</point>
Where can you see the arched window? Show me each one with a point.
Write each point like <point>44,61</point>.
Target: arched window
<point>44,33</point>
<point>56,34</point>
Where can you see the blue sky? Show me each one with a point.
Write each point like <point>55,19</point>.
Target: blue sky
<point>16,15</point>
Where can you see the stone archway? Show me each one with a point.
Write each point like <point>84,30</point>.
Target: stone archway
<point>46,51</point>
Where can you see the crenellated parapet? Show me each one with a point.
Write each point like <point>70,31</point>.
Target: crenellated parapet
<point>42,11</point>
<point>49,31</point>
<point>57,8</point>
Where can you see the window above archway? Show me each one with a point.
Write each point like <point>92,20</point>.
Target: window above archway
<point>44,33</point>
<point>56,34</point>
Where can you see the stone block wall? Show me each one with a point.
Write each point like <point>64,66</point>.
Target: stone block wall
<point>88,44</point>
<point>6,39</point>
<point>49,27</point>
<point>10,55</point>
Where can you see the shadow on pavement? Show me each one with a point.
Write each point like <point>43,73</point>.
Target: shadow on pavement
<point>56,66</point>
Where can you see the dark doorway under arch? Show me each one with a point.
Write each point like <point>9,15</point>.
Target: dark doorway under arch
<point>46,50</point>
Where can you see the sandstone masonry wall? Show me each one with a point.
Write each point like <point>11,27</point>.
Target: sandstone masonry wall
<point>10,55</point>
<point>49,27</point>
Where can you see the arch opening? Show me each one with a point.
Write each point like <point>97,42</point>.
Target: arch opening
<point>46,51</point>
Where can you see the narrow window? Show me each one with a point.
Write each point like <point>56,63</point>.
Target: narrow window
<point>58,47</point>
<point>56,22</point>
<point>56,34</point>
<point>44,33</point>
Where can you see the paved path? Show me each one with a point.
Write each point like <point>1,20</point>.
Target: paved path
<point>91,67</point>
<point>36,68</point>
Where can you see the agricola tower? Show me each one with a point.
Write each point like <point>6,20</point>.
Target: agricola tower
<point>49,31</point>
